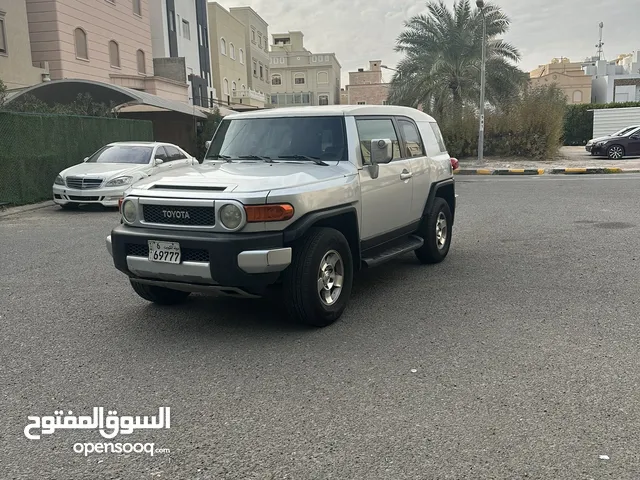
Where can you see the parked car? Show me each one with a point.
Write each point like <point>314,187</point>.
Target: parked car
<point>617,147</point>
<point>301,197</point>
<point>104,176</point>
<point>589,146</point>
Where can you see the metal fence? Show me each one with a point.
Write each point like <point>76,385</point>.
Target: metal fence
<point>34,148</point>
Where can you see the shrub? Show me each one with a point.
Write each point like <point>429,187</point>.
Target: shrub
<point>529,126</point>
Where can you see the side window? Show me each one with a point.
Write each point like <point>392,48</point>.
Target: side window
<point>411,138</point>
<point>369,129</point>
<point>173,153</point>
<point>438,134</point>
<point>161,154</point>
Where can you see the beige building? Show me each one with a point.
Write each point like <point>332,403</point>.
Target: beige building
<point>300,77</point>
<point>568,76</point>
<point>366,87</point>
<point>256,47</point>
<point>107,41</point>
<point>16,66</point>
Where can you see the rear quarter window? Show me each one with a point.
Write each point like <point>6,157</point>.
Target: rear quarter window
<point>434,142</point>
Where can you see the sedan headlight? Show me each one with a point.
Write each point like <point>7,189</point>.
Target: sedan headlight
<point>118,181</point>
<point>59,180</point>
<point>231,216</point>
<point>129,211</point>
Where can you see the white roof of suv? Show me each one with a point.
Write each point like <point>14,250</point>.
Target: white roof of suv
<point>335,110</point>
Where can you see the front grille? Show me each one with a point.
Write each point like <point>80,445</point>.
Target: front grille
<point>82,183</point>
<point>175,215</point>
<point>83,199</point>
<point>188,254</point>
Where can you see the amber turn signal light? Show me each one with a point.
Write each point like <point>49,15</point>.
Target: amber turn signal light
<point>268,213</point>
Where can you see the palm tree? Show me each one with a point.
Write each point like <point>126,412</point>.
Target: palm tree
<point>443,54</point>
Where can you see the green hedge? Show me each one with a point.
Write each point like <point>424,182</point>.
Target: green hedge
<point>578,122</point>
<point>34,148</point>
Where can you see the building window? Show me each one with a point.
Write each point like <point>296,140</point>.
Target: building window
<point>362,103</point>
<point>82,51</point>
<point>186,32</point>
<point>260,40</point>
<point>577,96</point>
<point>114,54</point>
<point>223,46</point>
<point>3,35</point>
<point>232,51</point>
<point>225,87</point>
<point>137,7</point>
<point>276,79</point>
<point>234,87</point>
<point>242,56</point>
<point>255,68</point>
<point>298,79</point>
<point>261,72</point>
<point>142,66</point>
<point>323,99</point>
<point>323,77</point>
<point>253,36</point>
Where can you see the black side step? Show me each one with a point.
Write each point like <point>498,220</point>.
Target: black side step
<point>405,245</point>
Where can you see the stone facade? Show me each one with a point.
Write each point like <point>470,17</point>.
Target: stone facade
<point>366,87</point>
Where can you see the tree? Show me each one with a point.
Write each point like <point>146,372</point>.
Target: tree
<point>443,56</point>
<point>205,131</point>
<point>3,93</point>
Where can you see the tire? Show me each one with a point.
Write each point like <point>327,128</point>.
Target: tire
<point>435,248</point>
<point>159,295</point>
<point>70,206</point>
<point>615,152</point>
<point>308,300</point>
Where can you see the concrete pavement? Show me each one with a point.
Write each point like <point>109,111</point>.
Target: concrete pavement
<point>515,358</point>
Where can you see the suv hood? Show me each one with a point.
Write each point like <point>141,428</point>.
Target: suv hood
<point>105,170</point>
<point>247,176</point>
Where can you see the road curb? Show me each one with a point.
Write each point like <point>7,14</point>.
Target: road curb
<point>542,171</point>
<point>25,208</point>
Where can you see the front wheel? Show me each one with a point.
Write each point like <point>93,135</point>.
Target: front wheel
<point>436,231</point>
<point>159,295</point>
<point>615,152</point>
<point>317,284</point>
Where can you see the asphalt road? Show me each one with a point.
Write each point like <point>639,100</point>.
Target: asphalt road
<point>515,358</point>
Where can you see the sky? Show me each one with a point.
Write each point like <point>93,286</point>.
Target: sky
<point>362,30</point>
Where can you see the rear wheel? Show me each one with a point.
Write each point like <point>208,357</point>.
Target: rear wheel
<point>436,231</point>
<point>159,295</point>
<point>317,284</point>
<point>615,152</point>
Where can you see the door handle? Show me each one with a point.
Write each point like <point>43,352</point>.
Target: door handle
<point>406,175</point>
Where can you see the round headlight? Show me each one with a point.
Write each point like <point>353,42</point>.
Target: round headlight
<point>230,216</point>
<point>129,211</point>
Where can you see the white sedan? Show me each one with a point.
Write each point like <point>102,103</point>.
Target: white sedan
<point>104,176</point>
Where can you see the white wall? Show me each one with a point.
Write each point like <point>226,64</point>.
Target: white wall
<point>609,120</point>
<point>188,47</point>
<point>159,37</point>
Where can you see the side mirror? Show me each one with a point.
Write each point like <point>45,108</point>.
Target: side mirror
<point>158,161</point>
<point>85,159</point>
<point>381,152</point>
<point>207,144</point>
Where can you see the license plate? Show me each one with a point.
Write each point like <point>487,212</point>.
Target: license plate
<point>165,252</point>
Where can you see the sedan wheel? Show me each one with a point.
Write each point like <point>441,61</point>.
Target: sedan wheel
<point>615,152</point>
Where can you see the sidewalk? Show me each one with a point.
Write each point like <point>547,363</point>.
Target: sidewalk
<point>570,160</point>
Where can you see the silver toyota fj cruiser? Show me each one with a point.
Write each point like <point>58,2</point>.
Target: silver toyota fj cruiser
<point>299,197</point>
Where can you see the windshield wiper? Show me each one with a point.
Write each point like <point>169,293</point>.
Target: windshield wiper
<point>218,156</point>
<point>315,160</point>
<point>255,157</point>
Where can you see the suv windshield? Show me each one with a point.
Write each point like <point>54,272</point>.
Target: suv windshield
<point>284,139</point>
<point>122,154</point>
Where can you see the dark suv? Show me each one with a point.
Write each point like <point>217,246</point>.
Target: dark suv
<point>616,147</point>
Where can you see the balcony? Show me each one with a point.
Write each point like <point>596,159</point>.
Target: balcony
<point>291,99</point>
<point>249,97</point>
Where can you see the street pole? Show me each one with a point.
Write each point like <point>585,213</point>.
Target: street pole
<point>480,4</point>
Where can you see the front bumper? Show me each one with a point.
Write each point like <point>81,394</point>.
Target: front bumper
<point>588,147</point>
<point>595,150</point>
<point>248,262</point>
<point>108,197</point>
